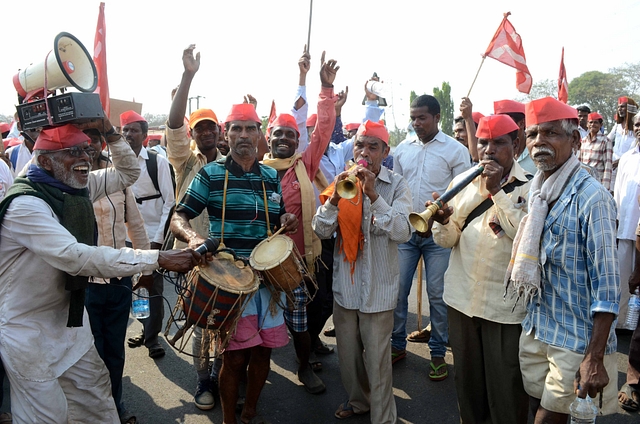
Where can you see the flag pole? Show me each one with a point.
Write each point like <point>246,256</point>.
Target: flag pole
<point>476,77</point>
<point>309,33</point>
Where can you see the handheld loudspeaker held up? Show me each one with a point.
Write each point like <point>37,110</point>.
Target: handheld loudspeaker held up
<point>420,221</point>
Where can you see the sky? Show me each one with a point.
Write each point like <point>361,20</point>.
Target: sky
<point>253,46</point>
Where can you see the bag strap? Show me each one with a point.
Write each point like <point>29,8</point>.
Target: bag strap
<point>14,156</point>
<point>152,168</point>
<point>484,206</point>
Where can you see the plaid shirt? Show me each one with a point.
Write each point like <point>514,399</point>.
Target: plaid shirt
<point>598,153</point>
<point>579,266</point>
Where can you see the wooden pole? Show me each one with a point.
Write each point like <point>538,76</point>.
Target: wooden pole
<point>420,294</point>
<point>309,33</point>
<point>476,77</point>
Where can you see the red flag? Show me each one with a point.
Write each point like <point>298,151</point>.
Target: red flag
<point>563,85</point>
<point>272,113</point>
<point>506,47</point>
<point>100,59</point>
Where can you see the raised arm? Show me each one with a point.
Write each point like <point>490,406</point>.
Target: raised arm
<point>466,109</point>
<point>179,104</point>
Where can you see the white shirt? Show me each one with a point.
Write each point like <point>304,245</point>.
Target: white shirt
<point>626,194</point>
<point>155,212</point>
<point>35,253</point>
<point>621,142</point>
<point>431,166</point>
<point>6,178</point>
<point>583,132</point>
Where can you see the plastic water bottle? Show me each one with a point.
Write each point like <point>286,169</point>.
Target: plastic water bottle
<point>633,312</point>
<point>139,300</point>
<point>583,411</point>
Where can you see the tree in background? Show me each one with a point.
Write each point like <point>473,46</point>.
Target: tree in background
<point>443,95</point>
<point>630,74</point>
<point>600,91</point>
<point>540,89</point>
<point>156,120</point>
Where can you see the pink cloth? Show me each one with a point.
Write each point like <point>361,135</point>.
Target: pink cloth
<point>248,334</point>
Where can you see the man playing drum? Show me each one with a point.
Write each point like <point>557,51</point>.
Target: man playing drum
<point>297,171</point>
<point>243,198</point>
<point>366,279</point>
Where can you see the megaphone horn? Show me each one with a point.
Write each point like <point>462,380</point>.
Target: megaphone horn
<point>71,65</point>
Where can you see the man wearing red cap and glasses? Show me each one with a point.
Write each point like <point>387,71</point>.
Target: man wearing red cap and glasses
<point>564,267</point>
<point>48,224</point>
<point>479,225</point>
<point>366,276</point>
<point>596,150</point>
<point>241,215</point>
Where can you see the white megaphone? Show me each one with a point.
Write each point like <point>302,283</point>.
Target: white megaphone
<point>70,65</point>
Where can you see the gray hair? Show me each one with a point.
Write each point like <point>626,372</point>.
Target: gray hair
<point>569,126</point>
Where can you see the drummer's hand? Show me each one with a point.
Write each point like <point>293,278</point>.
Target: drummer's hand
<point>145,281</point>
<point>290,222</point>
<point>178,260</point>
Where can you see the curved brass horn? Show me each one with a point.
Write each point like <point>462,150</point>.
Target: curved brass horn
<point>347,188</point>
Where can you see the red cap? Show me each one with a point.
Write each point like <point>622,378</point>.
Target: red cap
<point>374,129</point>
<point>593,116</point>
<point>130,116</point>
<point>14,141</point>
<point>623,99</point>
<point>158,137</point>
<point>494,126</point>
<point>202,115</point>
<point>352,126</point>
<point>548,109</point>
<point>312,120</point>
<point>4,127</point>
<point>243,112</point>
<point>285,120</point>
<point>476,116</point>
<point>57,138</point>
<point>507,106</point>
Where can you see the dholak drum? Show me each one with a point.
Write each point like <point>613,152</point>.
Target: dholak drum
<point>218,291</point>
<point>279,261</point>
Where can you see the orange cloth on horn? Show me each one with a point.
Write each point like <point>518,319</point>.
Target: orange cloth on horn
<point>351,239</point>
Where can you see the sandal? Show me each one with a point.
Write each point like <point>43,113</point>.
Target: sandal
<point>136,341</point>
<point>128,418</point>
<point>435,374</point>
<point>6,418</point>
<point>397,354</point>
<point>156,352</point>
<point>628,398</point>
<point>421,336</point>
<point>345,410</point>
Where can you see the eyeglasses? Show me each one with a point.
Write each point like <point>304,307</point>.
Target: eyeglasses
<point>77,152</point>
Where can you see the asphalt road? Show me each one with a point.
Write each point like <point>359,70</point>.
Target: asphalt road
<point>161,391</point>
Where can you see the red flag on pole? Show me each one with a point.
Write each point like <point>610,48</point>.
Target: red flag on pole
<point>272,113</point>
<point>563,85</point>
<point>506,47</point>
<point>100,59</point>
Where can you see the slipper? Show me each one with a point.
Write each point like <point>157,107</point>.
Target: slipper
<point>6,418</point>
<point>128,418</point>
<point>312,383</point>
<point>345,410</point>
<point>156,352</point>
<point>434,375</point>
<point>397,354</point>
<point>627,400</point>
<point>330,332</point>
<point>421,336</point>
<point>314,363</point>
<point>136,341</point>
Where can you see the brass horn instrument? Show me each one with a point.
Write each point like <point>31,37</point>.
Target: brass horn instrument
<point>420,221</point>
<point>348,188</point>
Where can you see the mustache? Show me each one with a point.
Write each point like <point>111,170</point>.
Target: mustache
<point>544,150</point>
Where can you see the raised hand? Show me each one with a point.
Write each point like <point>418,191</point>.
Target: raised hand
<point>328,71</point>
<point>191,64</point>
<point>342,98</point>
<point>250,99</point>
<point>304,63</point>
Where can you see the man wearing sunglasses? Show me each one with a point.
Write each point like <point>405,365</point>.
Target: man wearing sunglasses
<point>47,252</point>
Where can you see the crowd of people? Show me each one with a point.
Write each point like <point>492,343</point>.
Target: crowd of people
<point>528,268</point>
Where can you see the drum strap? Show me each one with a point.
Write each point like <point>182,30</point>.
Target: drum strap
<point>224,207</point>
